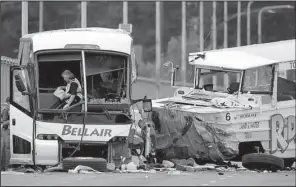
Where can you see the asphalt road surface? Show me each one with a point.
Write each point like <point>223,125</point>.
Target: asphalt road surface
<point>202,178</point>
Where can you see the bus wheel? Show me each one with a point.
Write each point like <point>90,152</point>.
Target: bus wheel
<point>99,164</point>
<point>260,161</point>
<point>3,155</point>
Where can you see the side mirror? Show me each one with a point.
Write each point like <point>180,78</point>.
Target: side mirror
<point>173,75</point>
<point>173,71</point>
<point>147,105</point>
<point>19,84</point>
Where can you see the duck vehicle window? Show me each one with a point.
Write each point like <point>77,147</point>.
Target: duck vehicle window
<point>217,80</point>
<point>258,80</point>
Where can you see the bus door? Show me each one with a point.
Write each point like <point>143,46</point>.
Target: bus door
<point>21,117</point>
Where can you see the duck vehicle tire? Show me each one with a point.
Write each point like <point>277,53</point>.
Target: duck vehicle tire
<point>99,164</point>
<point>260,161</point>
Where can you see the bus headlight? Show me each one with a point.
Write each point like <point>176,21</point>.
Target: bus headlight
<point>47,137</point>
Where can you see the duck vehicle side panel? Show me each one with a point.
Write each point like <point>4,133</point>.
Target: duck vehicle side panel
<point>217,136</point>
<point>222,131</point>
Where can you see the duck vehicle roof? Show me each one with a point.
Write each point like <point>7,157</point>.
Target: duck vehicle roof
<point>107,39</point>
<point>246,57</point>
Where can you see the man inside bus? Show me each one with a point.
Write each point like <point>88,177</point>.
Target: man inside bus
<point>71,93</point>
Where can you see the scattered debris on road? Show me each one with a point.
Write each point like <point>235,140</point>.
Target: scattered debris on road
<point>84,170</point>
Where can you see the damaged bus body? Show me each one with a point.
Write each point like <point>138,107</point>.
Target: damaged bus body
<point>99,125</point>
<point>251,112</point>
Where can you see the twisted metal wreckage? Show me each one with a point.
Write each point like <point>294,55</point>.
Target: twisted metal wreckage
<point>189,134</point>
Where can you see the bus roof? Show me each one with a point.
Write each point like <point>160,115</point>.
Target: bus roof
<point>246,57</point>
<point>107,39</point>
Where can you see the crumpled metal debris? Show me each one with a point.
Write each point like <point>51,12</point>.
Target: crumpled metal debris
<point>58,168</point>
<point>193,135</point>
<point>83,169</point>
<point>111,167</point>
<point>25,169</point>
<point>12,173</point>
<point>167,164</point>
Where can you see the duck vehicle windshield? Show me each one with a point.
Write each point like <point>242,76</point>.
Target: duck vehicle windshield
<point>71,96</point>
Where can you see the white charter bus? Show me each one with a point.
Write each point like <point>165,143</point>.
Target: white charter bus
<point>104,63</point>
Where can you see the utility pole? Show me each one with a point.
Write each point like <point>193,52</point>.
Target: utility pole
<point>201,27</point>
<point>83,14</point>
<point>238,35</point>
<point>125,12</point>
<point>158,46</point>
<point>25,18</point>
<point>214,27</point>
<point>225,24</point>
<point>184,44</point>
<point>41,10</point>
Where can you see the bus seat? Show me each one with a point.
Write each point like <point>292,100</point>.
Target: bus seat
<point>46,100</point>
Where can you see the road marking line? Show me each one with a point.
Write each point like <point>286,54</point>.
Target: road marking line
<point>205,185</point>
<point>230,176</point>
<point>222,178</point>
<point>212,181</point>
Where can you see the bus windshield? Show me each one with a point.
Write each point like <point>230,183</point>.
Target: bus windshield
<point>106,76</point>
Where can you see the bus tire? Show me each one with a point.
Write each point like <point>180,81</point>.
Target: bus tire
<point>3,155</point>
<point>99,164</point>
<point>259,161</point>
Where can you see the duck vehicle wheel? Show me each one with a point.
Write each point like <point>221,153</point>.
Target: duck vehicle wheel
<point>99,164</point>
<point>260,161</point>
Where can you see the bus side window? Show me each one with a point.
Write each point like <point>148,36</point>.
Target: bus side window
<point>286,83</point>
<point>17,97</point>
